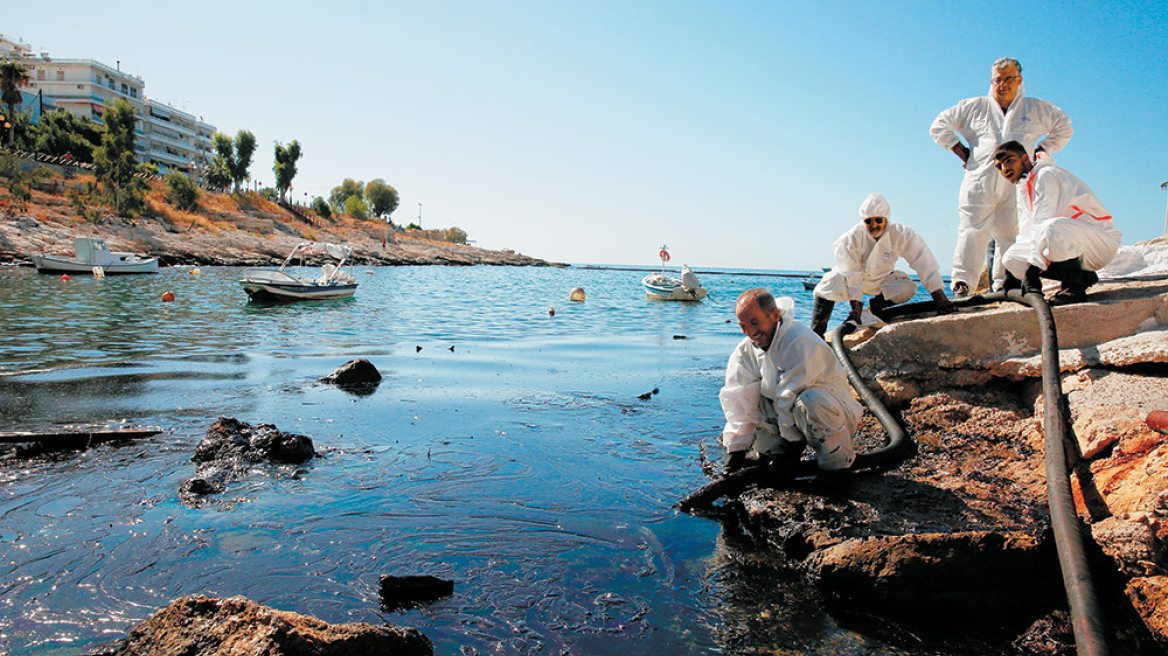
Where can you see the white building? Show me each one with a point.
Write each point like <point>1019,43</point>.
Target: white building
<point>165,136</point>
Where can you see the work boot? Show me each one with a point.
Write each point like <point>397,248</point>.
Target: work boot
<point>877,304</point>
<point>1032,283</point>
<point>1074,279</point>
<point>820,314</point>
<point>1011,282</point>
<point>960,289</point>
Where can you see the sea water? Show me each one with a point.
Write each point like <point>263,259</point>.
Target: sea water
<point>507,448</point>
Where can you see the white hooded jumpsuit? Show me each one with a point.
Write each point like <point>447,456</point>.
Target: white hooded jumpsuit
<point>986,205</point>
<point>796,391</point>
<point>1060,218</point>
<point>864,265</point>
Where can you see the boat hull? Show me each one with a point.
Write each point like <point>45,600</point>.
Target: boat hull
<point>664,288</point>
<point>54,264</point>
<point>287,292</point>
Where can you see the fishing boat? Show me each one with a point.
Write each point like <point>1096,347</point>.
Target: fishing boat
<point>279,285</point>
<point>813,279</point>
<point>662,287</point>
<point>91,253</point>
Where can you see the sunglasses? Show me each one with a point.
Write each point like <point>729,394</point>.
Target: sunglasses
<point>874,220</point>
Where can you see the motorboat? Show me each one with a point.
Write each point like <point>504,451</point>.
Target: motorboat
<point>662,287</point>
<point>91,253</point>
<point>279,285</point>
<point>812,280</point>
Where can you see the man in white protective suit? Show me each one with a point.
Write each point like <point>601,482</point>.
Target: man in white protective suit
<point>985,206</point>
<point>1064,231</point>
<point>784,390</point>
<point>865,263</point>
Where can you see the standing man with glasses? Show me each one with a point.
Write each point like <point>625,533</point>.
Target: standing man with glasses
<point>986,205</point>
<point>865,263</point>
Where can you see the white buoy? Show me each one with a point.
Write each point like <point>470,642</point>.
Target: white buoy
<point>98,272</point>
<point>577,294</point>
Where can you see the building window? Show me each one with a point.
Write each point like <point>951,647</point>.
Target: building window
<point>41,74</point>
<point>110,80</point>
<point>60,76</point>
<point>133,92</point>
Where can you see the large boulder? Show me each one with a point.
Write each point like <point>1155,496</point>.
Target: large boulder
<point>239,627</point>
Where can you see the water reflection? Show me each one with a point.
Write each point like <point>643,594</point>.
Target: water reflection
<point>520,464</point>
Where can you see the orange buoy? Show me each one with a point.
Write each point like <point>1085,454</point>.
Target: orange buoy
<point>167,296</point>
<point>65,277</point>
<point>552,312</point>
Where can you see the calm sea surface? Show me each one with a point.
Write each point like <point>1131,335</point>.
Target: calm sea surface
<point>510,454</point>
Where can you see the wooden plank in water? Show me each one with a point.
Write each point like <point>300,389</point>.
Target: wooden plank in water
<point>82,437</point>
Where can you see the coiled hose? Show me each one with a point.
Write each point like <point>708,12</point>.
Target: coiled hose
<point>896,449</point>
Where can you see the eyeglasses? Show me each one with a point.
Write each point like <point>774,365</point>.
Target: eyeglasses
<point>998,81</point>
<point>874,220</point>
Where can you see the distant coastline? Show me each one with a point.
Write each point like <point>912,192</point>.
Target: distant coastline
<point>241,229</point>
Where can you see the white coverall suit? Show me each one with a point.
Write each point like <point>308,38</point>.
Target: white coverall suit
<point>1060,218</point>
<point>796,391</point>
<point>986,205</point>
<point>866,266</point>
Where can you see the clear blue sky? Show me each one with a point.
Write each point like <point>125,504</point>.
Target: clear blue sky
<point>741,134</point>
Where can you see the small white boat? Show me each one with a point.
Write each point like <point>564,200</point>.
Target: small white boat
<point>92,252</point>
<point>661,287</point>
<point>279,285</point>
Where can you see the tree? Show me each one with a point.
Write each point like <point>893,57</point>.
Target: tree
<point>321,207</point>
<point>183,193</point>
<point>285,166</point>
<point>455,235</point>
<point>62,133</point>
<point>382,198</point>
<point>339,195</point>
<point>13,75</point>
<point>234,158</point>
<point>355,207</point>
<point>114,161</point>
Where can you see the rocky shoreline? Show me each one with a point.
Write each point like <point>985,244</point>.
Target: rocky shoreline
<point>226,229</point>
<point>959,534</point>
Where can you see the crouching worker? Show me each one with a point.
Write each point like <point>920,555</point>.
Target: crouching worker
<point>1064,231</point>
<point>865,263</point>
<point>784,391</point>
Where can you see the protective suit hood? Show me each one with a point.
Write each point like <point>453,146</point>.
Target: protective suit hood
<point>875,205</point>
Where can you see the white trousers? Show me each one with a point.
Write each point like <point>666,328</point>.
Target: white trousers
<point>986,209</point>
<point>826,424</point>
<point>1095,242</point>
<point>896,287</point>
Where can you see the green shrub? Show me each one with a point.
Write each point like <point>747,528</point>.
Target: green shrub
<point>183,193</point>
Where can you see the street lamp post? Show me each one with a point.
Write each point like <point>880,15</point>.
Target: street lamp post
<point>1165,186</point>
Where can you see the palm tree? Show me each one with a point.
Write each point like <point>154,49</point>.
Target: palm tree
<point>13,75</point>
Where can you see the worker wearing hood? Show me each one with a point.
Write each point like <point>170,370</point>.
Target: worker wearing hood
<point>785,390</point>
<point>865,263</point>
<point>986,205</point>
<point>1064,231</point>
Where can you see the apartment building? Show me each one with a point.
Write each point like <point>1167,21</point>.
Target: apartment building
<point>167,137</point>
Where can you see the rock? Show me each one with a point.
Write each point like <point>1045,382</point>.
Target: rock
<point>411,591</point>
<point>357,376</point>
<point>239,627</point>
<point>1149,597</point>
<point>1050,636</point>
<point>231,447</point>
<point>985,573</point>
<point>231,439</point>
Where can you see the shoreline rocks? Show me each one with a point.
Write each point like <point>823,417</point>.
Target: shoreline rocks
<point>962,526</point>
<point>202,625</point>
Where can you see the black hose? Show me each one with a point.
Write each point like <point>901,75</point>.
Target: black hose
<point>894,451</point>
<point>1086,615</point>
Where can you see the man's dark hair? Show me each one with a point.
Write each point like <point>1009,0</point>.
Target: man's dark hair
<point>765,300</point>
<point>1010,147</point>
